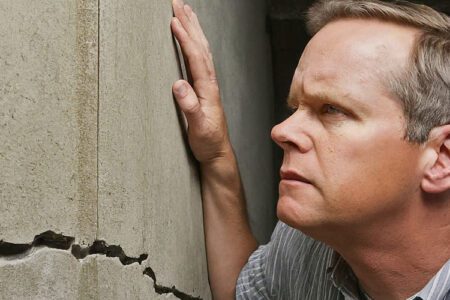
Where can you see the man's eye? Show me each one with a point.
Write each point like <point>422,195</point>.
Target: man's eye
<point>331,109</point>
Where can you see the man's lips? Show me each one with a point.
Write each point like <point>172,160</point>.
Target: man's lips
<point>292,175</point>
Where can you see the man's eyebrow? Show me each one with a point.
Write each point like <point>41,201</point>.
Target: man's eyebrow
<point>291,100</point>
<point>345,100</point>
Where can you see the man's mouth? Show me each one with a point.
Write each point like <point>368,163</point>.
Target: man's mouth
<point>292,175</point>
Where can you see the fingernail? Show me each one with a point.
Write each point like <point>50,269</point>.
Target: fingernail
<point>181,90</point>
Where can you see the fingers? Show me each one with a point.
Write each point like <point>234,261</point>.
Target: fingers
<point>198,59</point>
<point>196,26</point>
<point>194,45</point>
<point>180,13</point>
<point>188,19</point>
<point>188,101</point>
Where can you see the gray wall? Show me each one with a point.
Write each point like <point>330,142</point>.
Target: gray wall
<point>92,149</point>
<point>241,49</point>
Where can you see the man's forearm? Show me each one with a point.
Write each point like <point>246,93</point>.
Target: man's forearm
<point>229,240</point>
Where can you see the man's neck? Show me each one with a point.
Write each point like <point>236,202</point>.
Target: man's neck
<point>396,260</point>
<point>388,276</point>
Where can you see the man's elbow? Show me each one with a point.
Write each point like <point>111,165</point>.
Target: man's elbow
<point>224,291</point>
<point>225,295</point>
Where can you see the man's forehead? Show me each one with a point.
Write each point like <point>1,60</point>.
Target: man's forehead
<point>350,45</point>
<point>318,88</point>
<point>350,60</point>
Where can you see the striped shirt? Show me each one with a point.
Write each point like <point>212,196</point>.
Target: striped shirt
<point>294,266</point>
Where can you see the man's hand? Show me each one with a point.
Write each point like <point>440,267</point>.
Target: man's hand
<point>207,129</point>
<point>229,241</point>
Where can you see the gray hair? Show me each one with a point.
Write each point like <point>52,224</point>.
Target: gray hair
<point>424,87</point>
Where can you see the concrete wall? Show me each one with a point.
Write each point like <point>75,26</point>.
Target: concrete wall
<point>241,48</point>
<point>99,194</point>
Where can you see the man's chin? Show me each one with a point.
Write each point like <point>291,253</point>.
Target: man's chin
<point>305,219</point>
<point>292,213</point>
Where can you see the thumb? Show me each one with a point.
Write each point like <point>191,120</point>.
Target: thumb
<point>187,100</point>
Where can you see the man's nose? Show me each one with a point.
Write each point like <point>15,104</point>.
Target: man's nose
<point>289,135</point>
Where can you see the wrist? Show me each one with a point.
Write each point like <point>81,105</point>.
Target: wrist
<point>225,154</point>
<point>223,165</point>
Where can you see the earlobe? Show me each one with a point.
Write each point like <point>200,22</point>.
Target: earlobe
<point>437,176</point>
<point>436,184</point>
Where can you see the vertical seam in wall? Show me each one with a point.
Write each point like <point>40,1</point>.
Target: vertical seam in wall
<point>98,112</point>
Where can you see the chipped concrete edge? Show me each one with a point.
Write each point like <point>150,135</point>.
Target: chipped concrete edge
<point>13,251</point>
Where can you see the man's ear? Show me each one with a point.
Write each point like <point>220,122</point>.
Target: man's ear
<point>437,175</point>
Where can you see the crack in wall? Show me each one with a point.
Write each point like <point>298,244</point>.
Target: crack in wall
<point>102,248</point>
<point>50,239</point>
<point>159,289</point>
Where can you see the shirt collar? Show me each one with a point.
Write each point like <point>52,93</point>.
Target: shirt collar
<point>438,287</point>
<point>345,280</point>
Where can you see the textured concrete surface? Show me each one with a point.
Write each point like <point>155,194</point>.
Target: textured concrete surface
<point>148,185</point>
<point>149,194</point>
<point>56,274</point>
<point>91,144</point>
<point>48,116</point>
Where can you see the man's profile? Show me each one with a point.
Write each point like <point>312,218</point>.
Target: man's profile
<point>364,202</point>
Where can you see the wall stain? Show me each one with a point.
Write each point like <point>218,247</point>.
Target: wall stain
<point>86,101</point>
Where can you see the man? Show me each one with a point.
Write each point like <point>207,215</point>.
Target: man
<point>364,203</point>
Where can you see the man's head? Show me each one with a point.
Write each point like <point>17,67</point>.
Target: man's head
<point>370,131</point>
<point>423,86</point>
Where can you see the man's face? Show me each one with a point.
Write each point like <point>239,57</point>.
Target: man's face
<point>345,139</point>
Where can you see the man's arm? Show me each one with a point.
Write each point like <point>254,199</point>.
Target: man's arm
<point>229,241</point>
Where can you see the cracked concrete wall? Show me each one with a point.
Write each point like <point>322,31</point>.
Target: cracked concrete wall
<point>91,145</point>
<point>48,118</point>
<point>56,274</point>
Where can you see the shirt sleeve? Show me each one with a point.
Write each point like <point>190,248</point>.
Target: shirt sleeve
<point>251,283</point>
<point>253,280</point>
